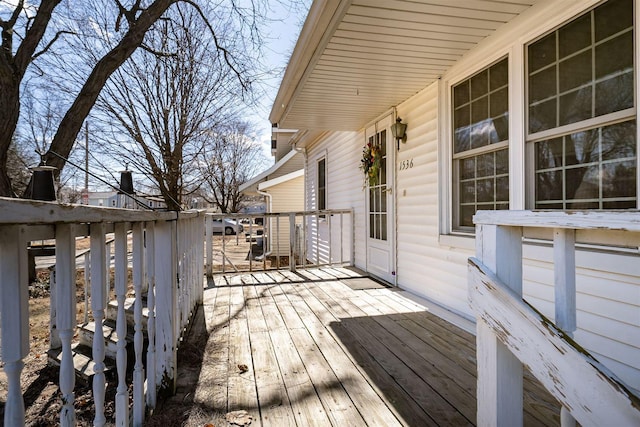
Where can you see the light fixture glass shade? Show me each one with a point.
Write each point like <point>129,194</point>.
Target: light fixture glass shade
<point>398,129</point>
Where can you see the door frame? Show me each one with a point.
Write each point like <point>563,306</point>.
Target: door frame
<point>390,274</point>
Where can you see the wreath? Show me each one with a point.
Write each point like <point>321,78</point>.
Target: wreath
<point>370,163</point>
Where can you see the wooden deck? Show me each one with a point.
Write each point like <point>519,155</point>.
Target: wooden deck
<point>326,347</point>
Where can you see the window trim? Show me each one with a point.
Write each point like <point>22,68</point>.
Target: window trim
<point>530,139</point>
<point>453,158</point>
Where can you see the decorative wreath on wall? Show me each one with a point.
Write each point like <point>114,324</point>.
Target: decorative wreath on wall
<point>370,163</point>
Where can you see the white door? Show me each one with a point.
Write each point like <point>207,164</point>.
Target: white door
<point>380,205</point>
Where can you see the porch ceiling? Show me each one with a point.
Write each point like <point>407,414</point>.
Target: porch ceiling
<point>356,59</point>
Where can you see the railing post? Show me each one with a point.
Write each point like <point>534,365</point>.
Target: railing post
<point>564,272</point>
<point>499,388</point>
<point>209,239</point>
<point>66,315</point>
<point>99,292</point>
<point>151,320</point>
<point>166,283</point>
<point>120,285</point>
<point>292,241</point>
<point>14,309</point>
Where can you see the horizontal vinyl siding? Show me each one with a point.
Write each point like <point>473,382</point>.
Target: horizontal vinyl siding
<point>424,267</point>
<point>607,300</point>
<point>608,285</point>
<point>343,151</point>
<point>285,197</point>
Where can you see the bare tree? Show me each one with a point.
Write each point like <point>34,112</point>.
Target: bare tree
<point>229,159</point>
<point>165,98</point>
<point>30,24</point>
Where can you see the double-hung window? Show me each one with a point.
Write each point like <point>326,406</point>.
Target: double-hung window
<point>480,144</point>
<point>581,126</point>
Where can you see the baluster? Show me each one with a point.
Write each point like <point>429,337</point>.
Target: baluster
<point>292,241</point>
<point>209,236</point>
<point>151,320</point>
<point>99,294</point>
<point>341,239</point>
<point>121,268</point>
<point>277,241</point>
<point>87,280</point>
<point>66,315</point>
<point>107,257</point>
<point>14,310</point>
<point>329,215</point>
<point>499,387</point>
<point>165,275</point>
<point>564,267</point>
<point>138,369</point>
<point>54,336</point>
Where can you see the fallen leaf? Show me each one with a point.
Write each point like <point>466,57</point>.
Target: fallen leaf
<point>243,368</point>
<point>239,418</point>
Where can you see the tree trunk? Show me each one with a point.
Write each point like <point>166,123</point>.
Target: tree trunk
<point>10,107</point>
<point>71,123</point>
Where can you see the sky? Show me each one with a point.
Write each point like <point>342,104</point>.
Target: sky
<point>283,33</point>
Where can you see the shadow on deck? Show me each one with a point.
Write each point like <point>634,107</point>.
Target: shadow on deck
<point>329,347</point>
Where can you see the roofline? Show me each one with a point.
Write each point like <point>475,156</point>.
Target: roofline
<point>279,180</point>
<point>269,171</point>
<point>323,17</point>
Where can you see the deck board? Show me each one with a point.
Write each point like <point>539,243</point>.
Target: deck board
<point>320,353</point>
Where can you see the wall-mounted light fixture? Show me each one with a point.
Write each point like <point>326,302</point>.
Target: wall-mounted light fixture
<point>398,130</point>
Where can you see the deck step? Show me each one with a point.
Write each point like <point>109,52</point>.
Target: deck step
<point>87,331</point>
<point>82,361</point>
<point>129,305</point>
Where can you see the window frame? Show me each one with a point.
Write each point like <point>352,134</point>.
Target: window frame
<point>455,159</point>
<point>531,138</point>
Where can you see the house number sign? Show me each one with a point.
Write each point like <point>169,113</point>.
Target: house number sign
<point>406,164</point>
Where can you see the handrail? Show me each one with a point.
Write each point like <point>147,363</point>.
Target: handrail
<point>167,251</point>
<point>510,333</point>
<point>307,238</point>
<point>566,370</point>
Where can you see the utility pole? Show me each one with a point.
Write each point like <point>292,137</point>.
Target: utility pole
<point>85,190</point>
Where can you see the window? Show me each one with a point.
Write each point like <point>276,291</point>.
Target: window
<point>322,184</point>
<point>581,116</point>
<point>480,144</point>
<point>378,193</point>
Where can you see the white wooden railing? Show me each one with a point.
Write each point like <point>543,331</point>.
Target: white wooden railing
<point>511,333</point>
<point>167,267</point>
<point>305,239</point>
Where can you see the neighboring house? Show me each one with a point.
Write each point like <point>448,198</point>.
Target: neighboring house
<point>282,187</point>
<point>509,105</point>
<point>113,199</point>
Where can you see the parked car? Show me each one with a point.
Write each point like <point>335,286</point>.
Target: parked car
<point>230,226</point>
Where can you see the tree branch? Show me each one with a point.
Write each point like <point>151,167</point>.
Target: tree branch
<point>53,40</point>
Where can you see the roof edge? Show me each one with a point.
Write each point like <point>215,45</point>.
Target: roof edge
<point>256,179</point>
<point>279,180</point>
<point>316,32</point>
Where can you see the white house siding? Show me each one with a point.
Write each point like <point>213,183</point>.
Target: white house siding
<point>433,265</point>
<point>286,196</point>
<point>608,284</point>
<point>343,151</point>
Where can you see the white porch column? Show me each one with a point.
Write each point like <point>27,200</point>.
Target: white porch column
<point>499,387</point>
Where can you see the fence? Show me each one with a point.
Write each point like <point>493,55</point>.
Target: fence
<point>282,239</point>
<point>167,268</point>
